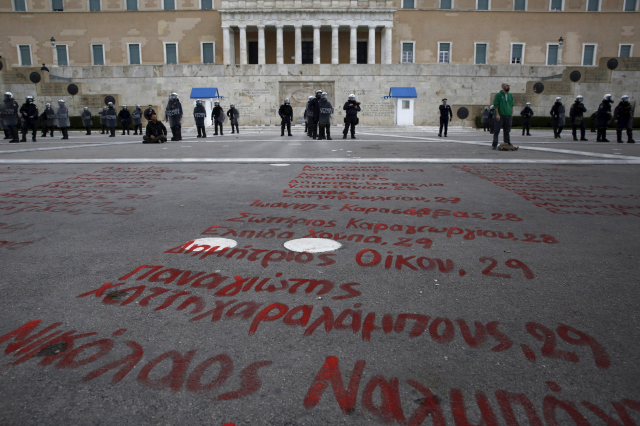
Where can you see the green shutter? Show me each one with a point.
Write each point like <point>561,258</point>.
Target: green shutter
<point>592,5</point>
<point>481,54</point>
<point>132,5</point>
<point>134,54</point>
<point>207,53</point>
<point>483,4</point>
<point>61,50</point>
<point>552,59</point>
<point>20,5</point>
<point>207,4</point>
<point>94,5</point>
<point>625,51</point>
<point>172,58</point>
<point>556,4</point>
<point>58,5</point>
<point>588,55</point>
<point>169,4</point>
<point>630,5</point>
<point>98,59</point>
<point>25,56</point>
<point>520,5</point>
<point>445,4</point>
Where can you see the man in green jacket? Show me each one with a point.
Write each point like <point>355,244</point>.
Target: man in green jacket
<point>503,103</point>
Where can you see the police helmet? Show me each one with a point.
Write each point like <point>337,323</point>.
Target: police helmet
<point>29,98</point>
<point>8,95</point>
<point>173,96</point>
<point>310,98</point>
<point>137,106</point>
<point>110,104</point>
<point>60,102</point>
<point>491,107</point>
<point>625,98</point>
<point>608,97</point>
<point>104,108</point>
<point>528,104</point>
<point>286,101</point>
<point>324,95</point>
<point>318,91</point>
<point>559,99</point>
<point>579,98</point>
<point>48,105</point>
<point>216,103</point>
<point>124,107</point>
<point>86,108</point>
<point>352,97</point>
<point>198,101</point>
<point>232,106</point>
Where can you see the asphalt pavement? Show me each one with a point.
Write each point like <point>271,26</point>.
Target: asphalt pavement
<point>437,281</point>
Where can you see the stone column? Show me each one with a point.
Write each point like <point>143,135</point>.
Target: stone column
<point>261,54</point>
<point>226,50</point>
<point>371,57</point>
<point>316,44</point>
<point>298,41</point>
<point>243,45</point>
<point>334,44</point>
<point>388,44</point>
<point>353,47</point>
<point>279,45</point>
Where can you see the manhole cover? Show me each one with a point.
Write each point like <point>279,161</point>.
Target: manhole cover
<point>109,99</point>
<point>117,295</point>
<point>54,349</point>
<point>72,89</point>
<point>538,88</point>
<point>462,113</point>
<point>575,76</point>
<point>612,63</point>
<point>35,77</point>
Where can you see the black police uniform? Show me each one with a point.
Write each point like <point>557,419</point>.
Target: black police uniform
<point>112,117</point>
<point>324,121</point>
<point>29,114</point>
<point>558,114</point>
<point>86,121</point>
<point>315,110</point>
<point>445,115</point>
<point>526,114</point>
<point>125,119</point>
<point>286,115</point>
<point>103,121</point>
<point>9,113</point>
<point>217,114</point>
<point>576,113</point>
<point>623,114</point>
<point>48,117</point>
<point>136,117</point>
<point>351,118</point>
<point>233,115</point>
<point>199,115</point>
<point>604,115</point>
<point>594,121</point>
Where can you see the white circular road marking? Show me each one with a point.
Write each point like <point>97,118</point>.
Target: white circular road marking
<point>280,164</point>
<point>222,243</point>
<point>312,245</point>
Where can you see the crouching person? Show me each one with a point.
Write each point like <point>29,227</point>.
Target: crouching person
<point>156,132</point>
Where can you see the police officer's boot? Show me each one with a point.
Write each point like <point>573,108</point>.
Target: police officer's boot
<point>528,130</point>
<point>619,132</point>
<point>204,133</point>
<point>103,129</point>
<point>52,132</point>
<point>221,134</point>
<point>24,137</point>
<point>604,135</point>
<point>281,130</point>
<point>199,132</point>
<point>44,133</point>
<point>344,132</point>
<point>65,135</point>
<point>630,136</point>
<point>555,133</point>
<point>6,134</point>
<point>123,131</point>
<point>522,130</point>
<point>329,133</point>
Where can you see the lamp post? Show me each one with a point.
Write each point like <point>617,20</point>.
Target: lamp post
<point>54,53</point>
<point>560,41</point>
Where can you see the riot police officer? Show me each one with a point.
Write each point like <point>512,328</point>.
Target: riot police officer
<point>86,120</point>
<point>308,118</point>
<point>62,118</point>
<point>315,109</point>
<point>136,116</point>
<point>9,115</point>
<point>112,118</point>
<point>148,112</point>
<point>324,121</point>
<point>174,116</point>
<point>217,117</point>
<point>446,115</point>
<point>48,120</point>
<point>351,116</point>
<point>558,114</point>
<point>199,115</point>
<point>604,115</point>
<point>29,113</point>
<point>286,115</point>
<point>233,115</point>
<point>103,120</point>
<point>526,114</point>
<point>576,113</point>
<point>125,118</point>
<point>623,115</point>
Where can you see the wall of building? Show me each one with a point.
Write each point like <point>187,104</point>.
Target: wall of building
<point>258,90</point>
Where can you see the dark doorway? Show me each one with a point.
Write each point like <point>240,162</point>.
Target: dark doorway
<point>253,52</point>
<point>307,52</point>
<point>362,52</point>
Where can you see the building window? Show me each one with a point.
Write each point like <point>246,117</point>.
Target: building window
<point>483,4</point>
<point>446,4</point>
<point>169,4</point>
<point>307,52</point>
<point>588,54</point>
<point>630,5</point>
<point>97,54</point>
<point>62,51</point>
<point>481,53</point>
<point>408,51</point>
<point>171,53</point>
<point>94,5</point>
<point>520,5</point>
<point>517,53</point>
<point>206,4</point>
<point>132,4</point>
<point>444,52</point>
<point>361,52</point>
<point>252,51</point>
<point>626,50</point>
<point>408,4</point>
<point>556,5</point>
<point>406,104</point>
<point>57,5</point>
<point>593,5</point>
<point>20,5</point>
<point>24,51</point>
<point>208,55</point>
<point>552,54</point>
<point>134,53</point>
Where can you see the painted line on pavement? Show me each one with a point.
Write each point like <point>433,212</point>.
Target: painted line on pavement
<point>13,151</point>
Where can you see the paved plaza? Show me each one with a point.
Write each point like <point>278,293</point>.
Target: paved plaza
<point>253,279</point>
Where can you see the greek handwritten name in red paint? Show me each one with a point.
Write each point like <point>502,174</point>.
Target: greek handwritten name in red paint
<point>344,195</point>
<point>27,345</point>
<point>354,320</point>
<point>514,407</point>
<point>14,245</point>
<point>289,221</point>
<point>6,228</point>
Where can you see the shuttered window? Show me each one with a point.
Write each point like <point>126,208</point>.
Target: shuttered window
<point>61,50</point>
<point>169,4</point>
<point>57,5</point>
<point>483,4</point>
<point>207,4</point>
<point>19,5</point>
<point>445,4</point>
<point>516,53</point>
<point>134,54</point>
<point>94,5</point>
<point>481,53</point>
<point>132,4</point>
<point>593,5</point>
<point>552,54</point>
<point>625,51</point>
<point>25,55</point>
<point>556,4</point>
<point>171,53</point>
<point>520,5</point>
<point>630,5</point>
<point>98,54</point>
<point>589,54</point>
<point>207,53</point>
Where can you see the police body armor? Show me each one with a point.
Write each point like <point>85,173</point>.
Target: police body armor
<point>558,113</point>
<point>200,114</point>
<point>49,117</point>
<point>326,109</point>
<point>62,117</point>
<point>136,116</point>
<point>9,113</point>
<point>111,116</point>
<point>86,118</point>
<point>174,113</point>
